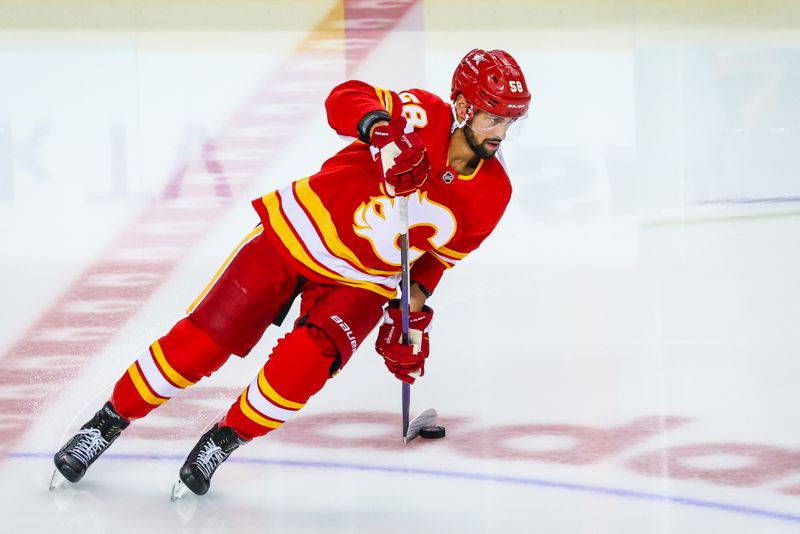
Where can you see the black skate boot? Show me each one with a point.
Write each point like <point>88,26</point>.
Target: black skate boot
<point>213,448</point>
<point>88,444</point>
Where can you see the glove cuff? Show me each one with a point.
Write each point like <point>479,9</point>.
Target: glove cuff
<point>422,319</point>
<point>368,120</point>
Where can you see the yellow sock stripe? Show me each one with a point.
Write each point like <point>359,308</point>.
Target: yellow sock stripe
<point>290,241</point>
<point>171,373</point>
<point>272,395</point>
<point>324,223</point>
<point>224,266</point>
<point>252,414</point>
<point>142,388</point>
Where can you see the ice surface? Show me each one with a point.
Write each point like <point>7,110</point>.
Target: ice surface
<point>620,356</point>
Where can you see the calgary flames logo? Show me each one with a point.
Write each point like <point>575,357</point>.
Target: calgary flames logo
<point>378,222</point>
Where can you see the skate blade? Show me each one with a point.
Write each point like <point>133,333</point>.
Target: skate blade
<point>179,490</point>
<point>56,480</point>
<point>426,418</point>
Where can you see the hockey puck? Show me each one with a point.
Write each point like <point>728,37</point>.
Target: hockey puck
<point>431,432</point>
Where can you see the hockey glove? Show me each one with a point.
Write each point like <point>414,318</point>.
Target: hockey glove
<point>403,361</point>
<point>402,160</point>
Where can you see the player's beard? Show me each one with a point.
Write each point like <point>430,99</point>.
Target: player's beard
<point>480,149</point>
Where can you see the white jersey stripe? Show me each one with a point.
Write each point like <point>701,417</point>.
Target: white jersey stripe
<point>450,262</point>
<point>308,234</point>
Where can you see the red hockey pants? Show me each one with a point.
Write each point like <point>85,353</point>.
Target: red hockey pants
<point>251,290</point>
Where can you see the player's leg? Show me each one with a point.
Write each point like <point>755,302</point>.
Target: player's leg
<point>230,316</point>
<point>173,362</point>
<point>334,321</point>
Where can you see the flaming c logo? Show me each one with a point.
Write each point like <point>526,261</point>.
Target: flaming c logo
<point>379,220</point>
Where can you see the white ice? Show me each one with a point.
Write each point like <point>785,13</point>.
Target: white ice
<point>621,356</point>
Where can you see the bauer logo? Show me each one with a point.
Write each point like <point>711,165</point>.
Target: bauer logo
<point>348,332</point>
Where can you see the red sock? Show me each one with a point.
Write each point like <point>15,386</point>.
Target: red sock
<point>298,367</point>
<point>173,362</point>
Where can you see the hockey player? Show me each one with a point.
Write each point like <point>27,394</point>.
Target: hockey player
<point>332,239</point>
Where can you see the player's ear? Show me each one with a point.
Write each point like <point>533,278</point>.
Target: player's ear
<point>462,107</point>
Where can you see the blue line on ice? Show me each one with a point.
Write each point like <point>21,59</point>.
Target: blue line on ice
<point>465,475</point>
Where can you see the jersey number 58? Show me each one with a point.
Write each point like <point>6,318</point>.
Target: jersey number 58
<point>413,111</point>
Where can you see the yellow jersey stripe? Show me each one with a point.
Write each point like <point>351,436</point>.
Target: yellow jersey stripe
<point>384,97</point>
<point>171,373</point>
<point>253,415</point>
<point>442,260</point>
<point>273,395</point>
<point>323,222</point>
<point>389,101</point>
<point>452,253</point>
<point>290,241</point>
<point>471,176</point>
<point>224,266</point>
<point>142,388</point>
<point>379,94</point>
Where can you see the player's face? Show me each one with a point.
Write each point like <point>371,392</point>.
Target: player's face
<point>485,132</point>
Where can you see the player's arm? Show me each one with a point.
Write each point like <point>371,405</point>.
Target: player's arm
<point>354,108</point>
<point>417,297</point>
<point>428,269</point>
<point>407,362</point>
<point>375,116</point>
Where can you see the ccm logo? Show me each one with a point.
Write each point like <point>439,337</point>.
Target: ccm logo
<point>349,333</point>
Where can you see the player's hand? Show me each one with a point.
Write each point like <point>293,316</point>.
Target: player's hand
<point>404,361</point>
<point>402,160</point>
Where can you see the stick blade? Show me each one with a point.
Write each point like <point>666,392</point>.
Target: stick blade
<point>426,418</point>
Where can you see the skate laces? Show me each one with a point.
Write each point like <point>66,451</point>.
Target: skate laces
<point>89,446</point>
<point>211,455</point>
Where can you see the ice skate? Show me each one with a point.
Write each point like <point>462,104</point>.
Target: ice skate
<point>213,448</point>
<point>75,457</point>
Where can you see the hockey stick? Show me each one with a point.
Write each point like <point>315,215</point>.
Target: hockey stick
<point>405,287</point>
<point>428,417</point>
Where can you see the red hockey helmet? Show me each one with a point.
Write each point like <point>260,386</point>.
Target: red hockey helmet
<point>493,82</point>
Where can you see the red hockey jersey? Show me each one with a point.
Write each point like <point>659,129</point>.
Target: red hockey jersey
<point>340,225</point>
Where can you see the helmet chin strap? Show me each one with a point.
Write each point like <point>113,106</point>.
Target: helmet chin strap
<point>456,123</point>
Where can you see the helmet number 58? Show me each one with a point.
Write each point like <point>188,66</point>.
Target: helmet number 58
<point>515,86</point>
